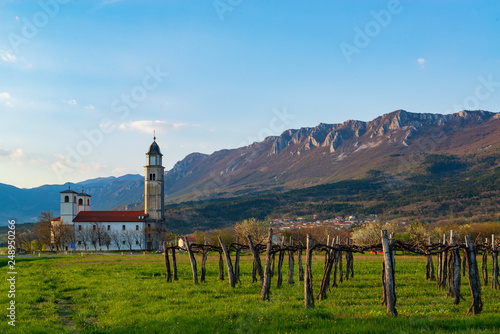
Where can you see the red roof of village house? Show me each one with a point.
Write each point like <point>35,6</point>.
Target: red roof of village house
<point>109,216</point>
<point>56,219</point>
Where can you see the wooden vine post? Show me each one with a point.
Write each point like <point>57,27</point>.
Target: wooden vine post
<point>267,272</point>
<point>230,272</point>
<point>204,262</point>
<point>256,259</point>
<point>484,266</point>
<point>280,263</point>
<point>192,260</point>
<point>221,266</point>
<point>474,284</point>
<point>237,262</point>
<point>301,267</point>
<point>339,257</point>
<point>308,290</point>
<point>174,262</point>
<point>429,273</point>
<point>290,263</point>
<point>167,263</point>
<point>444,265</point>
<point>454,279</point>
<point>390,287</point>
<point>494,275</point>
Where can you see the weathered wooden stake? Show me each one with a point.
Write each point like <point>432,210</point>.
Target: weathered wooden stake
<point>221,266</point>
<point>444,265</point>
<point>494,275</point>
<point>308,290</point>
<point>429,273</point>
<point>290,263</point>
<point>301,267</point>
<point>256,260</point>
<point>193,261</point>
<point>237,262</point>
<point>167,262</point>
<point>230,272</point>
<point>341,274</point>
<point>335,263</point>
<point>474,284</point>
<point>390,286</point>
<point>280,263</point>
<point>326,274</point>
<point>204,263</point>
<point>174,262</point>
<point>464,263</point>
<point>484,266</point>
<point>454,279</point>
<point>267,272</point>
<point>273,258</point>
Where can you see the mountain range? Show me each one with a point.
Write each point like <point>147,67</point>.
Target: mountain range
<point>395,144</point>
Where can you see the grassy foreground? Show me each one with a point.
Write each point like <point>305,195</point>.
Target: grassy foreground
<point>128,294</point>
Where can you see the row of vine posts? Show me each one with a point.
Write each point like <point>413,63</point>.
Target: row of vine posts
<point>449,264</point>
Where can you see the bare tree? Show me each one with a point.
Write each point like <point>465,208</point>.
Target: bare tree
<point>257,229</point>
<point>129,238</point>
<point>116,239</point>
<point>82,235</point>
<point>139,237</point>
<point>43,228</point>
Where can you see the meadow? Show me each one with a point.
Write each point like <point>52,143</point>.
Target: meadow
<point>128,294</point>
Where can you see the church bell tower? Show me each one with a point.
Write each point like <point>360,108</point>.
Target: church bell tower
<point>153,184</point>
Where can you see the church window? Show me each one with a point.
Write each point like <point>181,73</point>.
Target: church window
<point>154,176</point>
<point>79,242</point>
<point>74,199</point>
<point>79,227</point>
<point>94,227</point>
<point>137,242</point>
<point>80,201</point>
<point>137,227</point>
<point>123,227</point>
<point>109,227</point>
<point>149,225</point>
<point>150,177</point>
<point>123,242</point>
<point>88,202</point>
<point>66,199</point>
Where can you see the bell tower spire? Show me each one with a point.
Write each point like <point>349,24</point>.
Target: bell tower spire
<point>154,192</point>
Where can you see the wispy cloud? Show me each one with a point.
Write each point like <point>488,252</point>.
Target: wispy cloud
<point>421,62</point>
<point>149,126</point>
<point>72,102</point>
<point>90,107</point>
<point>4,96</point>
<point>8,56</point>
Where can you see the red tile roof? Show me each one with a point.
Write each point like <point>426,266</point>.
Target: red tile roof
<point>109,216</point>
<point>56,219</point>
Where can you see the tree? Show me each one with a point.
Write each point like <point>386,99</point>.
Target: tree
<point>116,238</point>
<point>43,228</point>
<point>139,237</point>
<point>417,233</point>
<point>129,238</point>
<point>370,234</point>
<point>257,229</point>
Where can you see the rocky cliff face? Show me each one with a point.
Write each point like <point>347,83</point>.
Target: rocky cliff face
<point>328,152</point>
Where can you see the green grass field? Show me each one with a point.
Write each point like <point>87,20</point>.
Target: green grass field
<point>128,294</point>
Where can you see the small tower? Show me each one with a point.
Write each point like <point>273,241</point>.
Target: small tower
<point>83,201</point>
<point>69,207</point>
<point>153,185</point>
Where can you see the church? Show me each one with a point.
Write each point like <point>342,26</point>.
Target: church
<point>84,229</point>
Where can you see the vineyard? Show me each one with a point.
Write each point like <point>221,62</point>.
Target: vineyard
<point>450,266</point>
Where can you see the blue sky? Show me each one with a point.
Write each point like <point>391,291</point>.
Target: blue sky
<point>84,83</point>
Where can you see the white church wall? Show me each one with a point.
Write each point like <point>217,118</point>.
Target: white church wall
<point>110,236</point>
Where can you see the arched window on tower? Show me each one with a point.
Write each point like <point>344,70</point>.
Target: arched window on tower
<point>80,201</point>
<point>88,202</point>
<point>150,177</point>
<point>154,176</point>
<point>66,199</point>
<point>74,199</point>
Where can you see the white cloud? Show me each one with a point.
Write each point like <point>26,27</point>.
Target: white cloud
<point>421,62</point>
<point>18,156</point>
<point>149,126</point>
<point>90,107</point>
<point>72,102</point>
<point>8,56</point>
<point>4,96</point>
